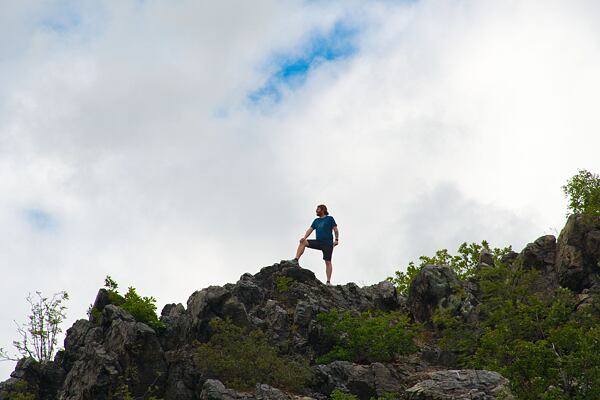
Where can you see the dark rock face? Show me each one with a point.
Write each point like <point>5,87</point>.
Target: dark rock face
<point>461,384</point>
<point>541,256</point>
<point>103,359</point>
<point>578,253</point>
<point>437,286</point>
<point>42,380</point>
<point>182,379</point>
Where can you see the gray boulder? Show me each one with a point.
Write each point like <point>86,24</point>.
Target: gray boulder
<point>541,256</point>
<point>437,286</point>
<point>266,392</point>
<point>486,257</point>
<point>215,390</point>
<point>363,381</point>
<point>461,385</point>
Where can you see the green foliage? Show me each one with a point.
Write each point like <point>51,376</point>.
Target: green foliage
<point>583,194</point>
<point>240,359</point>
<point>95,314</point>
<point>39,335</point>
<point>457,336</point>
<point>463,263</point>
<point>367,337</point>
<point>402,280</point>
<point>283,283</point>
<point>544,348</point>
<point>142,308</point>
<point>110,284</point>
<point>337,394</point>
<point>20,391</point>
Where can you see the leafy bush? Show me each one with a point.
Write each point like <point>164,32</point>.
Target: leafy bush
<point>240,359</point>
<point>402,279</point>
<point>463,263</point>
<point>337,394</point>
<point>367,337</point>
<point>546,350</point>
<point>20,391</point>
<point>143,309</point>
<point>457,336</point>
<point>283,283</point>
<point>583,194</point>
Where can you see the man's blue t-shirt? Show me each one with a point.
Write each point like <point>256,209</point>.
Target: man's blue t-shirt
<point>323,226</point>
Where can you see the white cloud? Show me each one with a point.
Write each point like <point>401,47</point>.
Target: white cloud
<point>454,121</point>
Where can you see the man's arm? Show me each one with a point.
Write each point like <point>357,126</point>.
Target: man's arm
<point>337,234</point>
<point>307,234</point>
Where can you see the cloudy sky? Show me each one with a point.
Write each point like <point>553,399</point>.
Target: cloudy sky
<point>178,144</point>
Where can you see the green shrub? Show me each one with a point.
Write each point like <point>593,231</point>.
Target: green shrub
<point>283,283</point>
<point>143,309</point>
<point>583,194</point>
<point>20,391</point>
<point>402,279</point>
<point>337,394</point>
<point>367,337</point>
<point>241,359</point>
<point>545,349</point>
<point>463,264</point>
<point>457,336</point>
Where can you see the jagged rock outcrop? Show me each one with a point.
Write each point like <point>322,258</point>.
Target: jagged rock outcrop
<point>104,359</point>
<point>112,354</point>
<point>42,380</point>
<point>540,255</point>
<point>578,253</point>
<point>276,299</point>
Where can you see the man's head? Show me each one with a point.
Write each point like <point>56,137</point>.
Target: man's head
<point>322,210</point>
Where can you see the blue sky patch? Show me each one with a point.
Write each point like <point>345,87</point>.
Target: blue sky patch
<point>62,20</point>
<point>40,220</point>
<point>292,70</point>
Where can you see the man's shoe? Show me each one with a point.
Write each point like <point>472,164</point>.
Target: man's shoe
<point>328,283</point>
<point>294,261</point>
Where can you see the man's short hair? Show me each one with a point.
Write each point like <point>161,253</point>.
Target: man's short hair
<point>323,208</point>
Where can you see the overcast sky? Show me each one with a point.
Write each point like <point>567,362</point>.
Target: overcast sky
<point>177,145</point>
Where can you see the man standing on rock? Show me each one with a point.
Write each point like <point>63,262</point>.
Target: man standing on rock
<point>324,224</point>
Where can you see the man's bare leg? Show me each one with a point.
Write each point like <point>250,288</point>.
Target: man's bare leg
<point>328,269</point>
<point>301,248</point>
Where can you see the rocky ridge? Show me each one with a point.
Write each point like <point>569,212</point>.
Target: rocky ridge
<point>119,358</point>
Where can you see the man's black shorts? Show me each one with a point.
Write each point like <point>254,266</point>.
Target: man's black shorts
<point>323,246</point>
